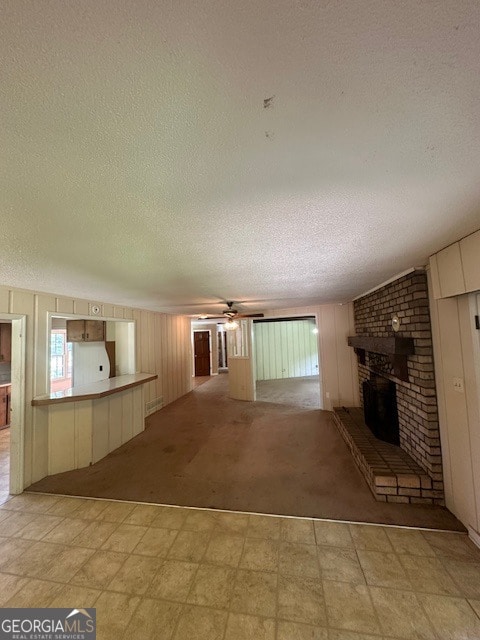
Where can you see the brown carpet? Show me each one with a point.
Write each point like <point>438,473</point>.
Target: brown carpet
<point>205,450</point>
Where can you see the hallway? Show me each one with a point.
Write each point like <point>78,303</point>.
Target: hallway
<point>205,450</point>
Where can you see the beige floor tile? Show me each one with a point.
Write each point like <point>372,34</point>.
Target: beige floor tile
<point>95,534</point>
<point>170,518</point>
<point>34,561</point>
<point>156,542</point>
<point>212,586</point>
<point>243,627</point>
<point>264,527</point>
<point>153,620</point>
<point>173,580</point>
<point>67,563</point>
<point>349,607</point>
<point>370,537</point>
<point>452,545</point>
<point>409,541</point>
<point>115,512</point>
<point>125,538</point>
<point>114,612</point>
<point>260,555</point>
<point>235,523</point>
<point>301,600</point>
<point>11,548</point>
<point>189,546</point>
<point>32,502</point>
<point>4,514</point>
<point>200,520</point>
<point>99,570</point>
<point>383,570</point>
<point>91,509</point>
<point>300,631</point>
<point>475,604</point>
<point>340,564</point>
<point>335,534</point>
<point>66,507</point>
<point>452,618</point>
<point>135,575</point>
<point>65,531</point>
<point>342,634</point>
<point>200,623</point>
<point>143,515</point>
<point>15,523</point>
<point>466,575</point>
<point>9,586</point>
<point>75,597</point>
<point>428,575</point>
<point>40,526</point>
<point>293,530</point>
<point>224,549</point>
<point>298,559</point>
<point>35,593</point>
<point>255,593</point>
<point>400,613</point>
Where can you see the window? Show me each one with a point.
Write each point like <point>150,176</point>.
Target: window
<point>60,355</point>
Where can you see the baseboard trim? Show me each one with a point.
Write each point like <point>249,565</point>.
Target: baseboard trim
<point>474,536</point>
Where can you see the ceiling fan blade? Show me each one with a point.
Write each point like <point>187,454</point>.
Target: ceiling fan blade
<point>251,315</point>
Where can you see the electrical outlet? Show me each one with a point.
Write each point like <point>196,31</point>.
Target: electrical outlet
<point>101,367</point>
<point>458,385</point>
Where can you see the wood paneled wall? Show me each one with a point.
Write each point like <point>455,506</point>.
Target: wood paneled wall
<point>285,349</point>
<point>162,347</point>
<point>456,351</point>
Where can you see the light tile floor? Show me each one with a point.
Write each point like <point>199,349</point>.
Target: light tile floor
<point>171,573</point>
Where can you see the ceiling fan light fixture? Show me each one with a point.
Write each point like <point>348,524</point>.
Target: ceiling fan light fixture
<point>231,325</point>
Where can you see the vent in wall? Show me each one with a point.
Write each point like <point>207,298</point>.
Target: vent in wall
<point>153,405</point>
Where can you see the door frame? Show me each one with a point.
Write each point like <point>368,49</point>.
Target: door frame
<point>17,406</point>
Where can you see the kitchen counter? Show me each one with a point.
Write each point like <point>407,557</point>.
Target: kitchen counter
<point>5,384</point>
<point>95,389</point>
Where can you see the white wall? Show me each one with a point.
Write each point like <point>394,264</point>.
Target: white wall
<point>162,347</point>
<point>285,349</point>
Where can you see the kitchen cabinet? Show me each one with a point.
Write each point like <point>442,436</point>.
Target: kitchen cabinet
<point>4,405</point>
<point>5,342</point>
<point>85,331</point>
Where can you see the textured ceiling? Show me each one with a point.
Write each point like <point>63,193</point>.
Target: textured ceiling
<point>140,164</point>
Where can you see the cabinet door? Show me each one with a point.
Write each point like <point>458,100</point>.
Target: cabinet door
<point>75,330</point>
<point>5,342</point>
<point>3,406</point>
<point>94,331</point>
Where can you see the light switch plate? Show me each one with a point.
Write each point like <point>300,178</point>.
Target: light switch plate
<point>458,385</point>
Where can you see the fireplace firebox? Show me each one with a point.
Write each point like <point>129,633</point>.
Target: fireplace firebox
<point>380,408</point>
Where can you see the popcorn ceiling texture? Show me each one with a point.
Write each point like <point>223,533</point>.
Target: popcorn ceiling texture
<point>407,298</point>
<point>140,167</point>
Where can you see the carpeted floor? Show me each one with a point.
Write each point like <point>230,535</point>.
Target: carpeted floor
<point>205,450</point>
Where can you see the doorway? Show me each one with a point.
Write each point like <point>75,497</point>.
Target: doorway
<point>201,350</point>
<point>12,402</point>
<point>287,361</point>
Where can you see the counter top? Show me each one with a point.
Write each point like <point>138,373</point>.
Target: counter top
<point>95,390</point>
<point>5,384</point>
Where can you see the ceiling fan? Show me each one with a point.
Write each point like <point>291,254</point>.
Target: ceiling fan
<point>230,313</point>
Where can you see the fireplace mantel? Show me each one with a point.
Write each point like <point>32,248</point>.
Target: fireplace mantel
<point>397,348</point>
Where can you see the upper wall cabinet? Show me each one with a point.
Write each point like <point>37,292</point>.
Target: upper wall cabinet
<point>5,342</point>
<point>85,331</point>
<point>470,252</point>
<point>455,269</point>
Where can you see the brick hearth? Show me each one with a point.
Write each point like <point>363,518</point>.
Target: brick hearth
<point>391,473</point>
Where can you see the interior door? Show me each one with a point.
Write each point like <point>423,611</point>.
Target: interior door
<point>201,342</point>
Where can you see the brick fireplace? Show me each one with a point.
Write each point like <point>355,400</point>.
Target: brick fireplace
<point>412,372</point>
